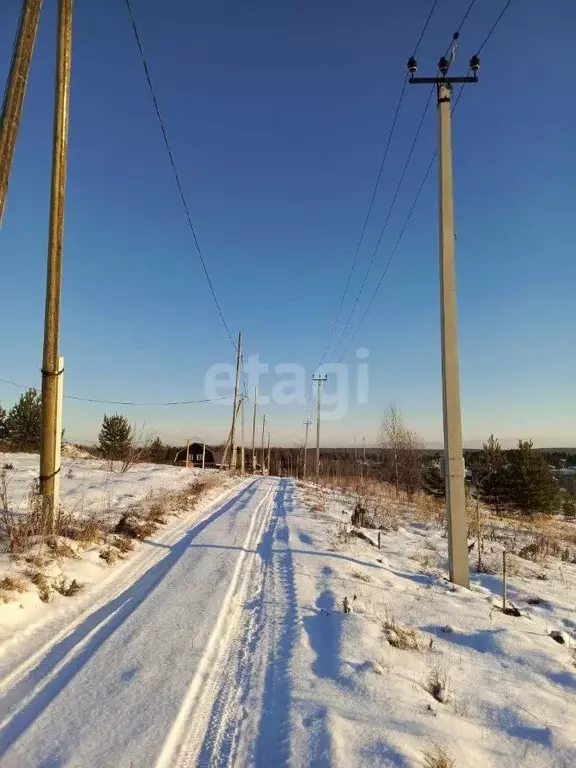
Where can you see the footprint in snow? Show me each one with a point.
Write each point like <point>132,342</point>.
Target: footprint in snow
<point>129,674</point>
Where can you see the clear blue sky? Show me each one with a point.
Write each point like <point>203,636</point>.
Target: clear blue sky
<point>278,113</point>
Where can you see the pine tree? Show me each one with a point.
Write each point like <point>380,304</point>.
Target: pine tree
<point>157,451</point>
<point>24,421</point>
<point>3,428</point>
<point>531,487</point>
<point>115,438</point>
<point>490,476</point>
<point>569,507</point>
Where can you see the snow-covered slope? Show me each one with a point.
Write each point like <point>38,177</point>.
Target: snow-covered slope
<point>231,648</point>
<point>88,486</point>
<point>508,689</point>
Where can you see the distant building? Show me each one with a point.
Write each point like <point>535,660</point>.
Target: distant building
<point>212,459</point>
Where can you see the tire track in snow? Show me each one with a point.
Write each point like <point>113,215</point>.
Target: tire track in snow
<point>273,744</point>
<point>227,657</point>
<point>250,723</point>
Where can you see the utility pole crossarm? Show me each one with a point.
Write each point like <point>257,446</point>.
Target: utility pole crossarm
<point>448,80</point>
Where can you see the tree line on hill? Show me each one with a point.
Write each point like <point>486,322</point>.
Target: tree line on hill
<point>118,440</point>
<point>516,479</point>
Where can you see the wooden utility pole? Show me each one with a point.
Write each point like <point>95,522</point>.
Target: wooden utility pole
<point>319,380</point>
<point>268,467</point>
<point>187,453</point>
<point>263,428</point>
<point>50,358</point>
<point>58,435</point>
<point>307,426</point>
<point>455,494</point>
<point>233,462</point>
<point>16,90</point>
<point>364,449</point>
<point>254,430</point>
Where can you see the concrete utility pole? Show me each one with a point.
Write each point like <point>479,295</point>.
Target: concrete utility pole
<point>16,90</point>
<point>268,467</point>
<point>307,426</point>
<point>263,428</point>
<point>455,494</point>
<point>233,462</point>
<point>242,448</point>
<point>203,455</point>
<point>254,429</point>
<point>319,380</point>
<point>50,358</point>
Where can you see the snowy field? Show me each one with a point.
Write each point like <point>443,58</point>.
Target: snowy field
<point>507,689</point>
<point>224,642</point>
<point>87,486</point>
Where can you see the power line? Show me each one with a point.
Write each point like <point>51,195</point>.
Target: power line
<point>365,225</point>
<point>122,402</point>
<point>374,254</point>
<point>373,196</point>
<point>498,20</point>
<point>459,29</point>
<point>394,249</point>
<point>398,240</point>
<point>427,173</point>
<point>425,27</point>
<point>175,171</point>
<point>383,230</point>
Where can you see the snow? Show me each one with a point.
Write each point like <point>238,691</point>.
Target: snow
<point>224,642</point>
<point>88,488</point>
<point>88,485</point>
<point>510,687</point>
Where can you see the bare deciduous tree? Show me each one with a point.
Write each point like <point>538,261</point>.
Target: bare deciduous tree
<point>402,452</point>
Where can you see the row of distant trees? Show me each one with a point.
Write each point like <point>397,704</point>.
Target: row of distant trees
<point>118,439</point>
<point>517,479</point>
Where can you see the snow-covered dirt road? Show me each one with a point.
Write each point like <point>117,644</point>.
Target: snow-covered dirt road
<point>178,670</point>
